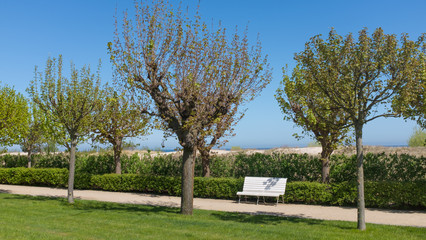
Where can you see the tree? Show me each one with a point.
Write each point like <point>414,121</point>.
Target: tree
<point>302,102</point>
<point>418,138</point>
<point>211,135</point>
<point>71,104</point>
<point>119,118</point>
<point>36,133</point>
<point>13,116</point>
<point>192,75</point>
<point>411,101</point>
<point>359,76</point>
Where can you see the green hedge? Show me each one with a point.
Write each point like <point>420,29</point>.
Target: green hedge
<point>295,167</point>
<point>52,177</point>
<point>396,195</point>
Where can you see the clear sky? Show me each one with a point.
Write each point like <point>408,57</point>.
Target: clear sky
<point>31,31</point>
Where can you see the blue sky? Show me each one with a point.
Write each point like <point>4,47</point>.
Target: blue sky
<point>31,31</point>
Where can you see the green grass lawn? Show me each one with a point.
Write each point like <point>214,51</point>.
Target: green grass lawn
<point>26,217</point>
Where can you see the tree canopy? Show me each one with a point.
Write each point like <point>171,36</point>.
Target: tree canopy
<point>119,117</point>
<point>70,103</point>
<point>13,116</point>
<point>193,76</point>
<point>358,76</point>
<point>36,131</point>
<point>303,103</point>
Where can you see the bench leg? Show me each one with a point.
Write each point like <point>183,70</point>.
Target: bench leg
<point>257,203</point>
<point>277,200</point>
<point>239,199</point>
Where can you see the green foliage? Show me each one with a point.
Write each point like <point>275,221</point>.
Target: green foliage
<point>68,103</point>
<point>236,148</point>
<point>308,193</point>
<point>380,194</point>
<point>411,102</point>
<point>166,165</point>
<point>53,177</point>
<point>389,194</point>
<point>137,183</point>
<point>129,145</point>
<point>13,116</point>
<point>93,164</point>
<point>302,102</point>
<point>295,167</point>
<point>314,144</point>
<point>50,146</point>
<point>418,138</point>
<point>379,167</point>
<point>13,161</point>
<point>36,130</point>
<point>51,161</point>
<point>119,117</point>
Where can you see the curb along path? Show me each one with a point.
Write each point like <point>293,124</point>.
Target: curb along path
<point>378,216</point>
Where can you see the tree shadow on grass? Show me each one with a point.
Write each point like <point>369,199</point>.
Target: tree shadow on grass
<point>92,206</point>
<point>87,206</point>
<point>270,219</point>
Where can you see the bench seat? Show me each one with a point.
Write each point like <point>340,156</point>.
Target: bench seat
<point>263,187</point>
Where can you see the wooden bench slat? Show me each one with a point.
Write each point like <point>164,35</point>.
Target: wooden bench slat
<point>263,186</point>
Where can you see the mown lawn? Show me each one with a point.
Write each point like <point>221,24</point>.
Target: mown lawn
<point>26,217</point>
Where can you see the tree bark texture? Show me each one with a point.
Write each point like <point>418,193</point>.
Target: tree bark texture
<point>205,161</point>
<point>187,198</point>
<point>117,154</point>
<point>72,171</point>
<point>29,158</point>
<point>360,180</point>
<point>325,159</point>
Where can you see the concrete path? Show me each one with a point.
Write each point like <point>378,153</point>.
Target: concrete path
<point>379,216</point>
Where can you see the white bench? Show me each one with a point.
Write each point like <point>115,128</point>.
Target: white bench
<point>263,186</point>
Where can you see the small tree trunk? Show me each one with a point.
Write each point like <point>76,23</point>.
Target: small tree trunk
<point>325,159</point>
<point>72,170</point>
<point>187,199</point>
<point>29,157</point>
<point>360,181</point>
<point>117,154</point>
<point>205,161</point>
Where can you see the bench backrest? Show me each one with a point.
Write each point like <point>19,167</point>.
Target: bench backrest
<point>268,184</point>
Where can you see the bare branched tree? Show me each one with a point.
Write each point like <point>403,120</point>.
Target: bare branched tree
<point>194,76</point>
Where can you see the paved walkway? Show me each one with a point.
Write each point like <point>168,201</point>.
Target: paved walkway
<point>379,216</point>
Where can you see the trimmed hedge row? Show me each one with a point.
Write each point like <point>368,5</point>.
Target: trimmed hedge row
<point>51,177</point>
<point>397,195</point>
<point>295,167</point>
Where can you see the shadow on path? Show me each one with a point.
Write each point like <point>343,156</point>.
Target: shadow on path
<point>91,206</point>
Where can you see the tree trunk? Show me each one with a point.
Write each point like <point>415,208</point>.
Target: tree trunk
<point>29,157</point>
<point>205,161</point>
<point>187,199</point>
<point>72,171</point>
<point>325,159</point>
<point>360,181</point>
<point>117,154</point>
